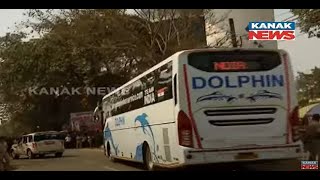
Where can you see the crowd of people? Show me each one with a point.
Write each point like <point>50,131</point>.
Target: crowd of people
<point>78,140</point>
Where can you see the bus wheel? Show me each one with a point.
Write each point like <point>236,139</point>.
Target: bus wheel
<point>147,158</point>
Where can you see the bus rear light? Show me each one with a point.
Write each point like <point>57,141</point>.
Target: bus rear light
<point>294,124</point>
<point>185,130</point>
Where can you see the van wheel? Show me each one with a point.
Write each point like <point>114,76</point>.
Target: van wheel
<point>58,154</point>
<point>30,154</point>
<point>147,158</point>
<point>109,153</point>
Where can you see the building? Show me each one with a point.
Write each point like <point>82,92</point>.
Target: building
<point>84,122</point>
<point>241,18</point>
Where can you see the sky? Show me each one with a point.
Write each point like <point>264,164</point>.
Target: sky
<point>304,52</point>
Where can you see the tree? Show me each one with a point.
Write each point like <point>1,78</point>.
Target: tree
<point>159,33</point>
<point>70,54</point>
<point>308,86</point>
<point>308,21</point>
<point>85,48</point>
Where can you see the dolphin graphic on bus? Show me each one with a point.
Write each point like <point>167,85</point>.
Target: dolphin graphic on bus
<point>216,96</point>
<point>264,94</point>
<point>146,129</point>
<point>108,136</point>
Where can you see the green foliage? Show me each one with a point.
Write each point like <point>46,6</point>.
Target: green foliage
<point>308,86</point>
<point>73,48</point>
<point>308,21</point>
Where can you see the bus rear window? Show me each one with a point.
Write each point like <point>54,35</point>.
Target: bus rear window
<point>234,61</point>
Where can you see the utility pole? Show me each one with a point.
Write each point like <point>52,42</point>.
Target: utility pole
<point>233,33</point>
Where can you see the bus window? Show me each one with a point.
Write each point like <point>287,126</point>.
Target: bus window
<point>234,61</point>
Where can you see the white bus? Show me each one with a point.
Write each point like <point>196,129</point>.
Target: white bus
<point>205,106</point>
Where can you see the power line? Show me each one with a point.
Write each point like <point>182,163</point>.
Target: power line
<point>266,43</point>
<point>281,14</point>
<point>284,20</point>
<point>289,19</point>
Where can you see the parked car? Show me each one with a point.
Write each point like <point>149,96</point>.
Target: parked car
<point>38,144</point>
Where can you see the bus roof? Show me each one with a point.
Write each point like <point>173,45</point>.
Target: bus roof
<point>177,54</point>
<point>42,132</point>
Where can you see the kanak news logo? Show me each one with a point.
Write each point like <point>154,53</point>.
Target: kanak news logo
<point>309,164</point>
<point>271,31</point>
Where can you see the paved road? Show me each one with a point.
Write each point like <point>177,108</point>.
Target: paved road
<point>94,160</point>
<point>73,160</point>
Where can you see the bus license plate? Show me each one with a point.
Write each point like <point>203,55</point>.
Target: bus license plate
<point>243,156</point>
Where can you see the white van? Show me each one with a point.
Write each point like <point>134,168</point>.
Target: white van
<point>39,143</point>
<point>206,106</point>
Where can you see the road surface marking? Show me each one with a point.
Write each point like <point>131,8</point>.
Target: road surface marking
<point>93,149</point>
<point>110,168</point>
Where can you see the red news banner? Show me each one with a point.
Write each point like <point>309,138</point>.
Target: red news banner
<point>271,31</point>
<point>309,164</point>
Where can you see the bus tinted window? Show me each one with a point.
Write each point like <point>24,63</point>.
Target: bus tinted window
<point>234,61</point>
<point>152,88</point>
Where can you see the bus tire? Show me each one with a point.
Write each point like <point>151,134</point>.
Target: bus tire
<point>109,153</point>
<point>147,158</point>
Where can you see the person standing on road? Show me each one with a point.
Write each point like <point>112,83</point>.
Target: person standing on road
<point>90,141</point>
<point>79,141</point>
<point>73,140</point>
<point>68,141</point>
<point>311,138</point>
<point>4,156</point>
<point>84,140</point>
